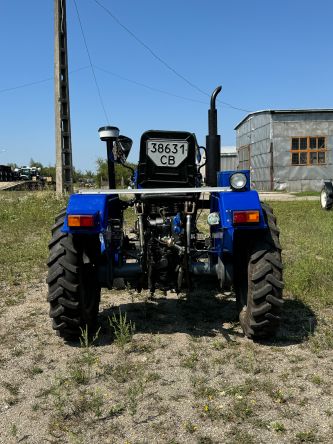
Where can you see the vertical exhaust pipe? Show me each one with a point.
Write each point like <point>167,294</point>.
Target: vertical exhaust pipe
<point>213,141</point>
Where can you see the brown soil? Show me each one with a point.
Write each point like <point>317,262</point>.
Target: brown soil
<point>187,375</point>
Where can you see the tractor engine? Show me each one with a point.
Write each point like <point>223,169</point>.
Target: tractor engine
<point>165,253</point>
<point>167,160</point>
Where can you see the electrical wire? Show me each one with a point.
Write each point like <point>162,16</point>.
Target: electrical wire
<point>162,61</point>
<point>147,86</point>
<point>153,53</point>
<point>91,65</point>
<point>37,82</point>
<point>24,85</point>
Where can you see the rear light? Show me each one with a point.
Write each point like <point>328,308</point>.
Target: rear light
<point>81,221</point>
<point>246,217</point>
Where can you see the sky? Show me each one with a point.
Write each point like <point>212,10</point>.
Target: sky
<point>266,55</point>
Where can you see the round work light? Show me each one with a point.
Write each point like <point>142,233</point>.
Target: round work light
<point>238,181</point>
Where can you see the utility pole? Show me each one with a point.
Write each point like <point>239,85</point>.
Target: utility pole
<point>64,167</point>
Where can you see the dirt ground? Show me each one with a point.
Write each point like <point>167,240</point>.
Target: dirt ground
<point>185,374</point>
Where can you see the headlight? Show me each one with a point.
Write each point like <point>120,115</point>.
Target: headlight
<point>213,219</point>
<point>238,181</point>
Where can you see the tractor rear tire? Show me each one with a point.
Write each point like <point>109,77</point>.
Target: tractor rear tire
<point>74,291</point>
<point>326,196</point>
<point>258,281</point>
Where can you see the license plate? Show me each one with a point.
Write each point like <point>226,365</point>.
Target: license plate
<point>167,153</point>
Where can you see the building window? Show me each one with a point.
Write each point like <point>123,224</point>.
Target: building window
<point>308,150</point>
<point>244,157</point>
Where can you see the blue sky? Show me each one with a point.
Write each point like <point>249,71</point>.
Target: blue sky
<point>266,55</point>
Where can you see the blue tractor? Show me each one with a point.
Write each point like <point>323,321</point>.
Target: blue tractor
<point>89,248</point>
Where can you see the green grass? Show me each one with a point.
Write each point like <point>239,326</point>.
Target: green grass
<point>25,221</point>
<point>307,193</point>
<point>307,241</point>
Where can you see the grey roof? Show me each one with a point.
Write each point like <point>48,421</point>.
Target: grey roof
<point>228,150</point>
<point>284,111</point>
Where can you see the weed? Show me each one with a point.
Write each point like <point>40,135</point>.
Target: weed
<point>35,370</point>
<point>260,423</point>
<point>190,427</point>
<point>303,402</point>
<point>322,339</point>
<point>210,411</point>
<point>248,363</point>
<point>307,436</point>
<point>134,392</point>
<point>35,407</point>
<point>96,402</point>
<point>13,430</point>
<point>126,371</point>
<point>279,396</point>
<point>242,389</point>
<point>137,347</point>
<point>12,388</point>
<point>238,436</point>
<point>116,410</point>
<point>277,426</point>
<point>316,379</point>
<point>79,375</point>
<point>123,330</point>
<point>17,352</point>
<point>205,440</point>
<point>241,408</point>
<point>85,340</point>
<point>190,361</point>
<point>218,345</point>
<point>153,377</point>
<point>294,359</point>
<point>202,389</point>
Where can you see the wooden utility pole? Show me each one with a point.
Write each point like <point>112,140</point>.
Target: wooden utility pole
<point>64,168</point>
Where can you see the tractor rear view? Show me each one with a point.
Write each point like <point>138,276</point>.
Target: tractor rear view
<point>89,248</point>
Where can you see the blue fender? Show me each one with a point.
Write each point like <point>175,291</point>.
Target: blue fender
<point>225,203</point>
<point>101,206</point>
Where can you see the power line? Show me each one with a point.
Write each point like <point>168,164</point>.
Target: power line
<point>148,86</point>
<point>91,65</point>
<point>24,85</point>
<point>162,61</point>
<point>153,53</point>
<point>37,82</point>
<point>234,107</point>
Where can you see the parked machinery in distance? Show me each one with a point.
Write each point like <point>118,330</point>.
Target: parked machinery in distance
<point>89,248</point>
<point>6,173</point>
<point>28,173</point>
<point>326,196</point>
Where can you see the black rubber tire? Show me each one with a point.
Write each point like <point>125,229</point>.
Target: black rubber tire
<point>258,280</point>
<point>326,196</point>
<point>74,291</point>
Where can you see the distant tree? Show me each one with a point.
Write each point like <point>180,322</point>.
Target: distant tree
<point>77,174</point>
<point>89,174</point>
<point>13,165</point>
<point>102,171</point>
<point>33,163</point>
<point>49,171</point>
<point>123,174</point>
